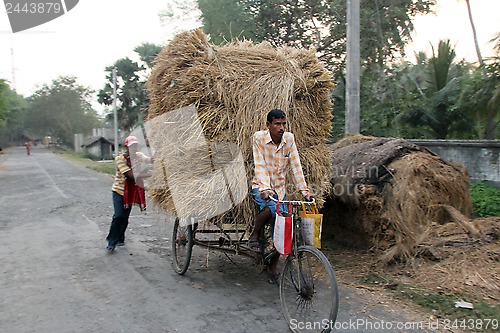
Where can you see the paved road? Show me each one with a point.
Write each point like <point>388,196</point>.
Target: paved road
<point>56,276</point>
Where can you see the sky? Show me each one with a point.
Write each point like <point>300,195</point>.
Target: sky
<point>96,33</point>
<point>82,42</point>
<point>451,21</point>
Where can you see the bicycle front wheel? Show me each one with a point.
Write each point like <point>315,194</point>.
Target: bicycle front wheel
<point>309,292</point>
<point>182,246</point>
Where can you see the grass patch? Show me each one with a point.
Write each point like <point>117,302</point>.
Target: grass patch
<point>441,303</point>
<point>107,167</point>
<point>358,268</point>
<point>485,200</point>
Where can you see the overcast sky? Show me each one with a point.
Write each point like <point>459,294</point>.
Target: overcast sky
<point>85,40</point>
<point>452,22</point>
<point>96,33</point>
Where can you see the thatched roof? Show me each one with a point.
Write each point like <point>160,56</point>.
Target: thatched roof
<point>362,160</point>
<point>232,88</point>
<point>89,141</point>
<point>393,190</point>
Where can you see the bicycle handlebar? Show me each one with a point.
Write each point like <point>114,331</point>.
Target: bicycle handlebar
<point>294,203</point>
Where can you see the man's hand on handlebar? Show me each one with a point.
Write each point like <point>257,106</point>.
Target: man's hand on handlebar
<point>309,197</point>
<point>266,194</point>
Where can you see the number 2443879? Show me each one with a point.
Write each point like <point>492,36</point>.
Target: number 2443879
<point>33,7</point>
<point>471,324</point>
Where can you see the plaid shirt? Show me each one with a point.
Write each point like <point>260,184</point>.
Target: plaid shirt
<point>272,162</point>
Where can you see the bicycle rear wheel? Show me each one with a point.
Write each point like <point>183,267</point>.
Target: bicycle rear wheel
<point>182,246</point>
<point>309,292</point>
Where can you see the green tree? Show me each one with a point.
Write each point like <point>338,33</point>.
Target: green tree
<point>476,43</point>
<point>434,98</point>
<point>385,25</point>
<point>442,88</point>
<point>409,97</point>
<point>13,119</point>
<point>385,29</point>
<point>391,107</point>
<point>479,99</point>
<point>428,96</point>
<point>3,102</point>
<point>132,100</point>
<point>494,83</point>
<point>225,20</point>
<point>147,53</point>
<point>60,110</point>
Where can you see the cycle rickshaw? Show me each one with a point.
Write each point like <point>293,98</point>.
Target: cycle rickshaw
<point>308,287</point>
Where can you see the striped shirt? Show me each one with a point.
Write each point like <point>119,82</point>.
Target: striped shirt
<point>121,169</point>
<point>273,161</point>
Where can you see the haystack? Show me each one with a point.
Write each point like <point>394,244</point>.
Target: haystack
<point>462,256</point>
<point>392,190</point>
<point>206,101</point>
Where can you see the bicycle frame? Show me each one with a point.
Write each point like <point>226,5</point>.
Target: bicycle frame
<point>296,233</point>
<point>296,219</point>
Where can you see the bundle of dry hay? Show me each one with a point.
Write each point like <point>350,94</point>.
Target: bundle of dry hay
<point>392,191</point>
<point>464,256</point>
<point>231,88</point>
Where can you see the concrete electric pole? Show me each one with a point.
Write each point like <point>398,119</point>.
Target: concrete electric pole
<point>115,116</point>
<point>352,68</point>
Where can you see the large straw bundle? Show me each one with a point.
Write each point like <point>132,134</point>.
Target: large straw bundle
<point>393,191</point>
<point>231,88</point>
<point>464,257</point>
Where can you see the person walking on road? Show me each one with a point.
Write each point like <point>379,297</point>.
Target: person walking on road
<point>28,147</point>
<point>127,190</point>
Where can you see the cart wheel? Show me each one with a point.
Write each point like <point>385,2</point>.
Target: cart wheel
<point>308,291</point>
<point>182,245</point>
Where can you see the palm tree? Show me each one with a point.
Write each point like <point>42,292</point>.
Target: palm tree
<point>442,88</point>
<point>494,102</point>
<point>476,43</point>
<point>434,84</point>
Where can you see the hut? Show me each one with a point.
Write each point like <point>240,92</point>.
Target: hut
<point>98,147</point>
<point>391,192</point>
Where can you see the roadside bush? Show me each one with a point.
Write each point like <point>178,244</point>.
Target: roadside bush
<point>86,154</point>
<point>485,200</point>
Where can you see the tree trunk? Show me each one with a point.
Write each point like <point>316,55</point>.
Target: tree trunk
<point>478,51</point>
<point>492,108</point>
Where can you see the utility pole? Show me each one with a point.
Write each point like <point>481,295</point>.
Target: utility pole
<point>353,69</point>
<point>115,117</point>
<point>13,65</point>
